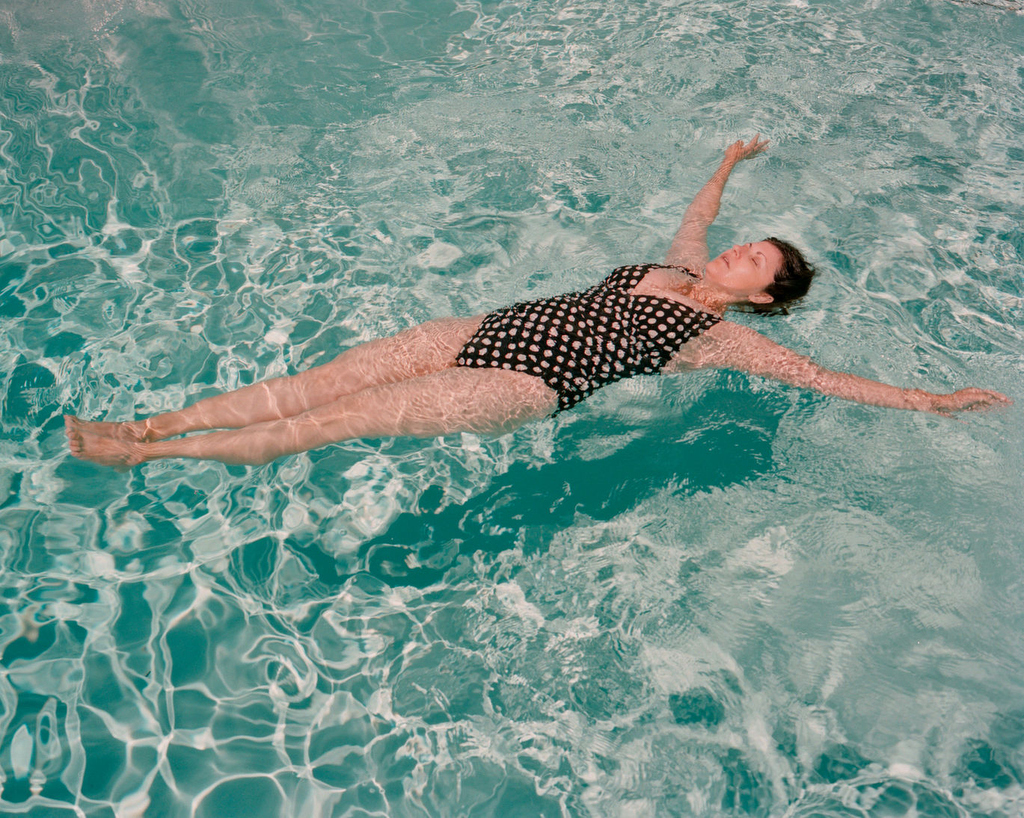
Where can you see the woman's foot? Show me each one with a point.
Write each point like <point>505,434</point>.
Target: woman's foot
<point>97,448</point>
<point>131,431</point>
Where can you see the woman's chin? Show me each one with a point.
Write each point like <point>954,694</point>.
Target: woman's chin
<point>713,269</point>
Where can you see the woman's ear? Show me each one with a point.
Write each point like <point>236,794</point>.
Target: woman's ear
<point>760,298</point>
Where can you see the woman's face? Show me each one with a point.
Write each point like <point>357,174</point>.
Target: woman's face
<point>744,271</point>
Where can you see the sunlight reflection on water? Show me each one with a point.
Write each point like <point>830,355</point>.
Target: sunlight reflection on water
<point>706,595</point>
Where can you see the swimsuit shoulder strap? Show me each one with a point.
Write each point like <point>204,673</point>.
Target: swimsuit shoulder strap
<point>626,278</point>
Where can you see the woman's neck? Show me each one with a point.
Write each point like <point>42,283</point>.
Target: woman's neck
<point>715,300</point>
<point>694,288</point>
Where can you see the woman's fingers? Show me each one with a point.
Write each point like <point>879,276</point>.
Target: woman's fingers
<point>757,145</point>
<point>740,150</point>
<point>971,399</point>
<point>982,398</point>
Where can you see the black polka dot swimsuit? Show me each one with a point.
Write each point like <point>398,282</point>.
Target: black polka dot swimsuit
<point>578,342</point>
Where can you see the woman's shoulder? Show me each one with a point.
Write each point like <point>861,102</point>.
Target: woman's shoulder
<point>726,330</point>
<point>730,344</point>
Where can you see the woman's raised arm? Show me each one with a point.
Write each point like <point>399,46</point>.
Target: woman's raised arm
<point>690,245</point>
<point>732,346</point>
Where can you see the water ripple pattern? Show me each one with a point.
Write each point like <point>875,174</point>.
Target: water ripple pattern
<point>701,596</point>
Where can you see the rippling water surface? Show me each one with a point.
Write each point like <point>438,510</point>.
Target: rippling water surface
<point>705,596</point>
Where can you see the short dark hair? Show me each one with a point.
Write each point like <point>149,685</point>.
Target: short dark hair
<point>792,280</point>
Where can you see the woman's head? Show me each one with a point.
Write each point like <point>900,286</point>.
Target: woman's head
<point>792,278</point>
<point>764,275</point>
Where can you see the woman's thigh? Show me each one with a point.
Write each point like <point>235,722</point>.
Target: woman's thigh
<point>458,399</point>
<point>421,350</point>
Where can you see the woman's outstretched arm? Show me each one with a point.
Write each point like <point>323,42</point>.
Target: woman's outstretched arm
<point>732,346</point>
<point>690,245</point>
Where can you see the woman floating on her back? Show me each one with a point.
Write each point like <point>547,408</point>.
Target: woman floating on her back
<point>491,374</point>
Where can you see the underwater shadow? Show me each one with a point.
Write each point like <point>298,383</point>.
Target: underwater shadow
<point>530,505</point>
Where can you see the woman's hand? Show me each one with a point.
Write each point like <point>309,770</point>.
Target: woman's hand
<point>966,400</point>
<point>738,151</point>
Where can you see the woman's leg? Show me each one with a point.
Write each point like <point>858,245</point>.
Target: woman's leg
<point>421,350</point>
<point>485,401</point>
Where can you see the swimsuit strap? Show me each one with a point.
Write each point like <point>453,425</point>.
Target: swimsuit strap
<point>627,278</point>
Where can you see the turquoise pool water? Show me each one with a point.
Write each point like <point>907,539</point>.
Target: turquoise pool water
<point>706,596</point>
